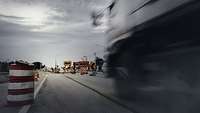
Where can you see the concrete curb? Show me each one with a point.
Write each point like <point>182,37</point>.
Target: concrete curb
<point>104,95</point>
<point>25,108</point>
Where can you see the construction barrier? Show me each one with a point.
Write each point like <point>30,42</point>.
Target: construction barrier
<point>84,66</point>
<point>21,85</point>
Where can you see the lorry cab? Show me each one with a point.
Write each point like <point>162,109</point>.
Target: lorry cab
<point>129,16</point>
<point>142,28</point>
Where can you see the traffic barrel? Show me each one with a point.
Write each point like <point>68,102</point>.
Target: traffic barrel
<point>21,85</point>
<point>84,67</point>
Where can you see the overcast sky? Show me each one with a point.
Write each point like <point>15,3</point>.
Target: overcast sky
<point>45,30</point>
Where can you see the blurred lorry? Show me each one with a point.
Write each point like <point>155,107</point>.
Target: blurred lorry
<point>154,54</point>
<point>141,28</point>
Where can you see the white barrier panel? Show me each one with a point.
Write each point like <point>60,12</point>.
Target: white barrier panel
<point>20,72</point>
<point>24,85</point>
<point>21,85</point>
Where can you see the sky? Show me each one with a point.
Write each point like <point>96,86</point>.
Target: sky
<point>50,30</point>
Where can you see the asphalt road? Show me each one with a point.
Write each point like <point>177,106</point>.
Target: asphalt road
<point>62,95</point>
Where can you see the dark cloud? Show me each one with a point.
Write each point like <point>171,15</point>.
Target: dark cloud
<point>9,29</point>
<point>67,28</point>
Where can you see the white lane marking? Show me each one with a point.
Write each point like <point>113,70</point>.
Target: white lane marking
<point>39,87</point>
<point>21,73</point>
<point>25,108</point>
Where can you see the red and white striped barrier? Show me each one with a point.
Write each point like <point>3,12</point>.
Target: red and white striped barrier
<point>21,85</point>
<point>84,67</point>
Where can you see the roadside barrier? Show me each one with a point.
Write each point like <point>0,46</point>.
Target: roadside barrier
<point>21,85</point>
<point>84,65</point>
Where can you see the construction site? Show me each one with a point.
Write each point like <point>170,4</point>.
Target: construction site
<point>99,56</point>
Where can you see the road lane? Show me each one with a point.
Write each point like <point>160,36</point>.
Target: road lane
<point>61,95</point>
